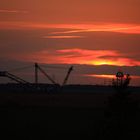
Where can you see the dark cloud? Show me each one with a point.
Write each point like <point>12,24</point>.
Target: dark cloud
<point>13,42</point>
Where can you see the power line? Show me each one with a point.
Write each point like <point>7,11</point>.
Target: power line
<point>54,67</point>
<point>20,69</point>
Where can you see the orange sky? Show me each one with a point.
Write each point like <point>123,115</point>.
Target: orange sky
<point>99,32</point>
<point>71,11</point>
<point>72,31</point>
<point>81,56</point>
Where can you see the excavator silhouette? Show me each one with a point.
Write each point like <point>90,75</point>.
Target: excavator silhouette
<point>13,77</point>
<point>38,69</point>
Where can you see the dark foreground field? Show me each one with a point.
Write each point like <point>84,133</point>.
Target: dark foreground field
<point>70,116</point>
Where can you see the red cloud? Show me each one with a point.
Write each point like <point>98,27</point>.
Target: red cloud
<point>62,37</point>
<point>81,56</point>
<point>12,11</point>
<point>74,28</point>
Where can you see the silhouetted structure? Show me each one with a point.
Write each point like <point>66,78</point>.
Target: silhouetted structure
<point>24,86</point>
<point>37,67</point>
<point>121,80</point>
<point>67,76</point>
<point>13,77</point>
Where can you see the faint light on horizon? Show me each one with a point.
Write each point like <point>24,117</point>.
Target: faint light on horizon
<point>62,37</point>
<point>109,76</point>
<point>101,76</point>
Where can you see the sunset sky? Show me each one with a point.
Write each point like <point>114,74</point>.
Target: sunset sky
<point>99,37</point>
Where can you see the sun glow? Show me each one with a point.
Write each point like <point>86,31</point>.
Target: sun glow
<point>102,62</point>
<point>81,56</point>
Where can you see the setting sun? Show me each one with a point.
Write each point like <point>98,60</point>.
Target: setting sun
<point>80,56</point>
<point>103,62</point>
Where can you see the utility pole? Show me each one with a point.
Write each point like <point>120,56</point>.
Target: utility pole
<point>67,75</point>
<point>36,73</point>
